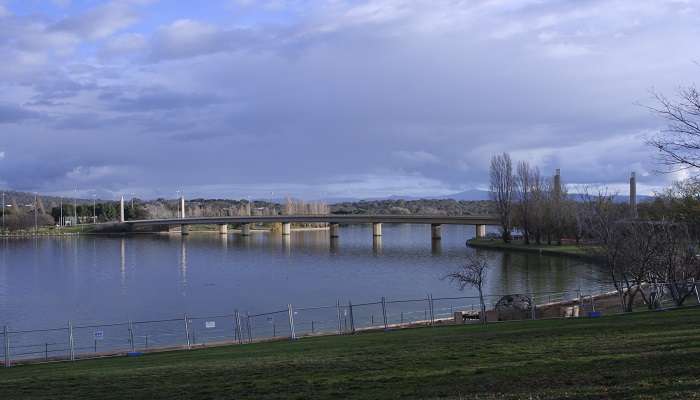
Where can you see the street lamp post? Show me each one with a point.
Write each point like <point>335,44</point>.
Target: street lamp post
<point>36,221</point>
<point>75,206</point>
<point>177,203</point>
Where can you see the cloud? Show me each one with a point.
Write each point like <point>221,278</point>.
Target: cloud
<point>10,113</point>
<point>416,157</point>
<point>187,38</point>
<point>128,44</point>
<point>98,22</point>
<point>381,97</point>
<point>152,99</point>
<point>94,174</point>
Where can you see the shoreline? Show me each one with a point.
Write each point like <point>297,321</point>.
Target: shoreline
<point>573,251</point>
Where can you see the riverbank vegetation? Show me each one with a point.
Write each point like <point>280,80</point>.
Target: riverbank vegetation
<point>573,358</point>
<point>413,207</point>
<point>26,214</point>
<point>569,250</point>
<point>649,250</point>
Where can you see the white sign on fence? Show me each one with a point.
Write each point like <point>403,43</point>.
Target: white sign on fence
<point>210,324</point>
<point>99,335</point>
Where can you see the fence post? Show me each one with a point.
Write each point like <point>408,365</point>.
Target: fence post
<point>340,323</point>
<point>248,327</point>
<point>187,332</point>
<point>239,329</point>
<point>6,338</point>
<point>386,325</point>
<point>290,310</point>
<point>71,342</point>
<point>432,310</point>
<point>533,306</point>
<point>697,295</point>
<point>235,332</point>
<point>131,337</point>
<point>352,317</point>
<point>425,310</point>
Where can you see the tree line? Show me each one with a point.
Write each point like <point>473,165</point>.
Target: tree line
<point>538,207</point>
<point>651,250</point>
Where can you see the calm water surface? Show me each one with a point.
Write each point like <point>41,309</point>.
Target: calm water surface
<point>45,282</point>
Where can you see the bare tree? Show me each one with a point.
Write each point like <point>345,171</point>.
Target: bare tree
<point>679,143</point>
<point>473,273</point>
<point>539,206</point>
<point>601,219</point>
<point>502,187</point>
<point>678,267</point>
<point>524,178</point>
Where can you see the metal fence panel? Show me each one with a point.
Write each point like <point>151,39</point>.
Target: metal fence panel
<point>83,340</point>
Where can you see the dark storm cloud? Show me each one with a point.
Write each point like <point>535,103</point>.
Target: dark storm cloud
<point>10,113</point>
<point>157,99</point>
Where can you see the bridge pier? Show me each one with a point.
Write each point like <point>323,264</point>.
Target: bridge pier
<point>435,231</point>
<point>121,211</point>
<point>377,229</point>
<point>245,230</point>
<point>286,228</point>
<point>223,229</point>
<point>184,229</point>
<point>334,230</point>
<point>480,231</point>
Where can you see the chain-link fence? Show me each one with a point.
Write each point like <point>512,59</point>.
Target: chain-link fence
<point>71,342</point>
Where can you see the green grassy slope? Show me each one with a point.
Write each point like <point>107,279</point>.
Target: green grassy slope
<point>642,355</point>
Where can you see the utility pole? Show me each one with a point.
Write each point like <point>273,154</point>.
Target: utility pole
<point>36,206</point>
<point>94,209</point>
<point>75,206</point>
<point>60,219</point>
<point>3,212</point>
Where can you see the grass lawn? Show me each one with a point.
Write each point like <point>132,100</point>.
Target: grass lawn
<point>642,355</point>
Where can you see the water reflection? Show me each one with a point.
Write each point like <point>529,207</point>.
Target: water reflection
<point>55,279</point>
<point>287,244</point>
<point>183,263</point>
<point>334,245</point>
<point>436,247</point>
<point>377,245</point>
<point>122,262</point>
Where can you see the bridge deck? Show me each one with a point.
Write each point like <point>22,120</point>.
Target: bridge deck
<point>330,218</point>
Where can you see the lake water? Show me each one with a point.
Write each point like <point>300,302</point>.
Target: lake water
<point>47,281</point>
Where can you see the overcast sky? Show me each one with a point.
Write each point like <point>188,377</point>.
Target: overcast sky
<point>331,98</point>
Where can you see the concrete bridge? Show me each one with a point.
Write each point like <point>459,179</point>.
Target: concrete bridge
<point>333,220</point>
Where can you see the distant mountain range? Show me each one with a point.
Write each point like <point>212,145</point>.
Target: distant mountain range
<point>469,195</point>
